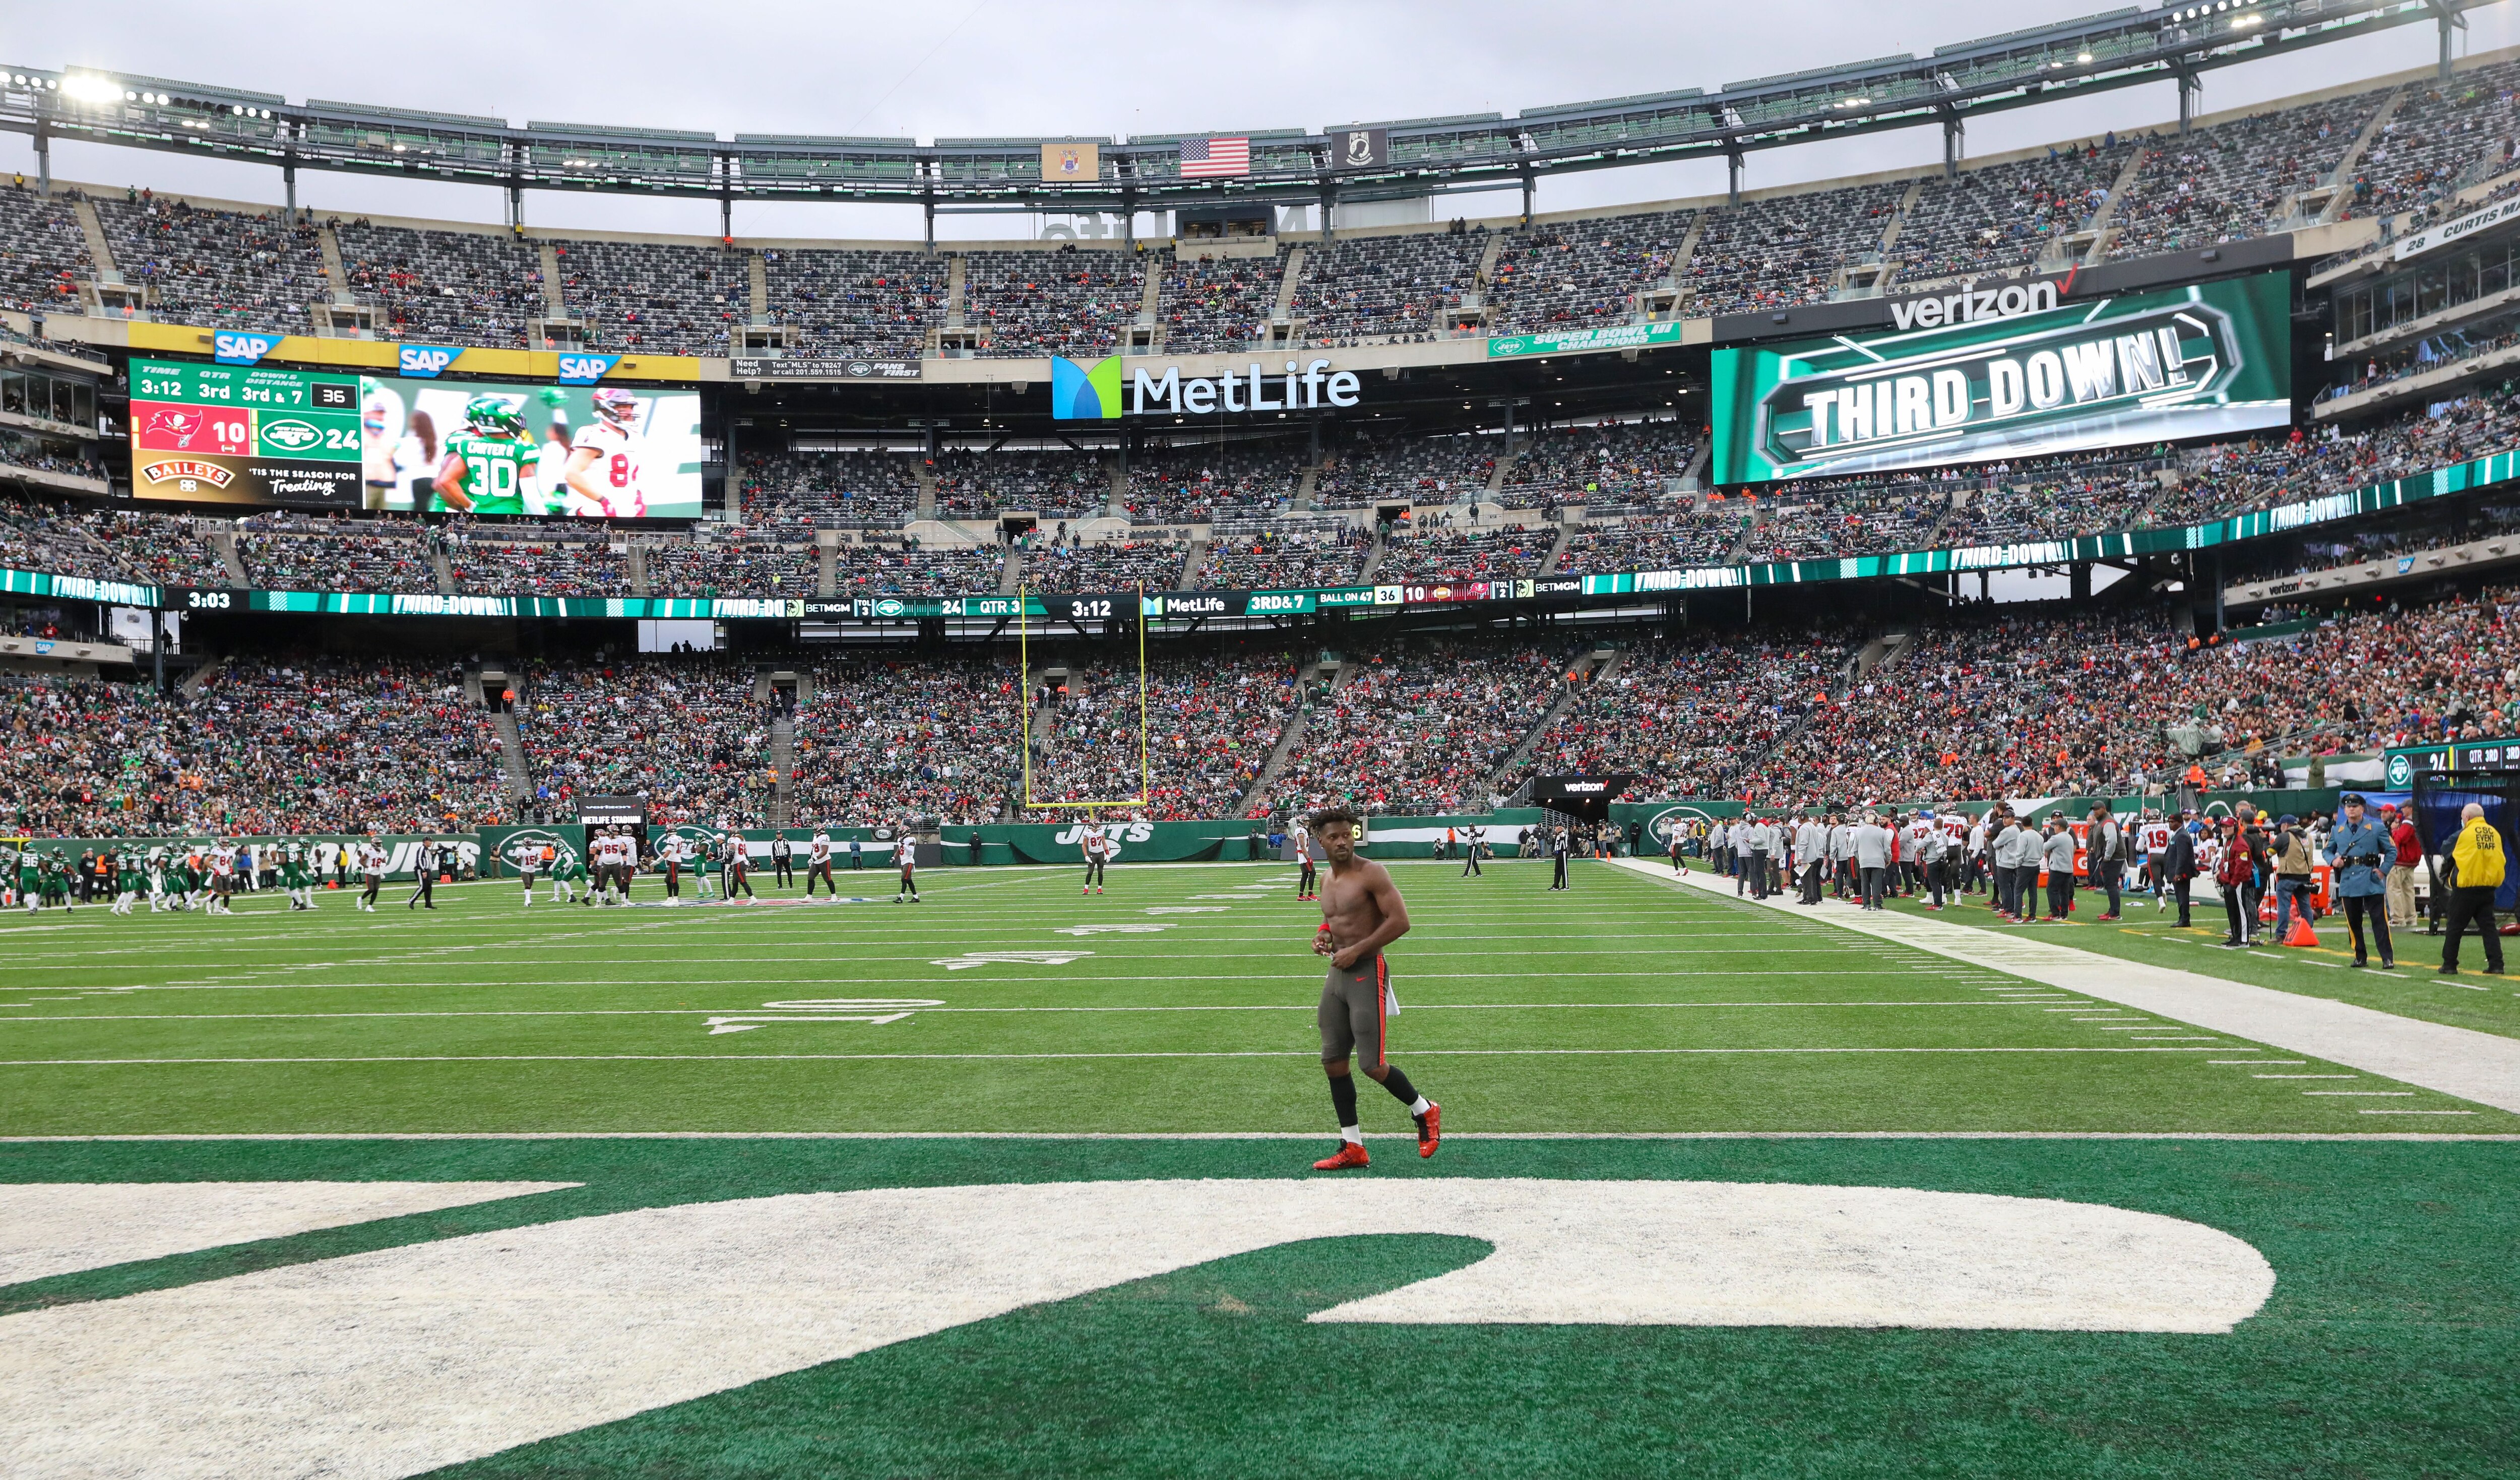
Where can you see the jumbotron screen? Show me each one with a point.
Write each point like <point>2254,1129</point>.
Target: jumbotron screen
<point>545,451</point>
<point>2007,372</point>
<point>239,434</point>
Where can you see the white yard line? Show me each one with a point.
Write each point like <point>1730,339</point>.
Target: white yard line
<point>1309,1136</point>
<point>2484,1068</point>
<point>46,1063</point>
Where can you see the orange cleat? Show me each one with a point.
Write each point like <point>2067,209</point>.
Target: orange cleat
<point>1430,1129</point>
<point>1350,1154</point>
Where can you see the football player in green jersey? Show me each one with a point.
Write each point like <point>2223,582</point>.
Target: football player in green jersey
<point>127,882</point>
<point>30,877</point>
<point>491,465</point>
<point>292,876</point>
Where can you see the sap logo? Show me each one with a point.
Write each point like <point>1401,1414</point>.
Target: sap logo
<point>1080,394</point>
<point>427,361</point>
<point>585,369</point>
<point>2406,562</point>
<point>291,437</point>
<point>243,348</point>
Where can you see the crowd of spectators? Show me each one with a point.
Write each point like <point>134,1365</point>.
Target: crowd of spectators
<point>2438,139</point>
<point>1781,250</point>
<point>491,561</point>
<point>702,568</point>
<point>887,738</point>
<point>271,745</point>
<point>1801,524</point>
<point>1669,541</point>
<point>1438,553</point>
<point>1392,287</point>
<point>1215,479</point>
<point>160,550</point>
<point>1066,302</point>
<point>2234,180</point>
<point>1071,566</point>
<point>1604,468</point>
<point>1424,727</point>
<point>1209,722</point>
<point>1583,274</point>
<point>1435,470</point>
<point>1293,555</point>
<point>453,287</point>
<point>655,297</point>
<point>867,303</point>
<point>1213,304</point>
<point>1053,484</point>
<point>224,268</point>
<point>2000,218</point>
<point>1690,716</point>
<point>911,568</point>
<point>388,556</point>
<point>43,253</point>
<point>865,485</point>
<point>683,732</point>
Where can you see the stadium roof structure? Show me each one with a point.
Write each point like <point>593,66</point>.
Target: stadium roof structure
<point>1425,157</point>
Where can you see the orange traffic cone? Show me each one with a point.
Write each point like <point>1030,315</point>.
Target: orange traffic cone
<point>2300,934</point>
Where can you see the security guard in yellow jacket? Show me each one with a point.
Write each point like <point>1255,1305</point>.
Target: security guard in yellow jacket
<point>2476,864</point>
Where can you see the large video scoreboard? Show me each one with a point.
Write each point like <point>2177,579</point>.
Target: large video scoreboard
<point>243,434</point>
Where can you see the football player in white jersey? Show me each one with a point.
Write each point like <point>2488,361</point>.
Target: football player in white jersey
<point>604,475</point>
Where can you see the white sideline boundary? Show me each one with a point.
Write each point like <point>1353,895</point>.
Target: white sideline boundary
<point>2482,1067</point>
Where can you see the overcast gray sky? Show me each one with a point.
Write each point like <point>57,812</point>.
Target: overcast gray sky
<point>1008,67</point>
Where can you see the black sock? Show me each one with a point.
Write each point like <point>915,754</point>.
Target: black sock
<point>1343,1099</point>
<point>1398,1084</point>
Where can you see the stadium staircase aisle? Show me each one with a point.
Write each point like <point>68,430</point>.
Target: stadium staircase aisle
<point>1373,560</point>
<point>446,583</point>
<point>2340,193</point>
<point>99,251</point>
<point>2484,1068</point>
<point>1012,581</point>
<point>1556,550</point>
<point>1501,781</point>
<point>783,760</point>
<point>224,541</point>
<point>2101,235</point>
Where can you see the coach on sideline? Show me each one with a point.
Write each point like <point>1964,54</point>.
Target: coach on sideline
<point>2476,861</point>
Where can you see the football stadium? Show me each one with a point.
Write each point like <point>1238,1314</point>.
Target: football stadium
<point>1802,776</point>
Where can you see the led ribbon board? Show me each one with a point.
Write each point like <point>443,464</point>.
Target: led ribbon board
<point>1962,386</point>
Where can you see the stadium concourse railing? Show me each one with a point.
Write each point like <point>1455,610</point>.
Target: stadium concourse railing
<point>2463,477</point>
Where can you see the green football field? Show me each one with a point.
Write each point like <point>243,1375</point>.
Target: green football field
<point>684,1062</point>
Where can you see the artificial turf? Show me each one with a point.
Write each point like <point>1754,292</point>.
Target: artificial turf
<point>2389,1348</point>
<point>1623,1005</point>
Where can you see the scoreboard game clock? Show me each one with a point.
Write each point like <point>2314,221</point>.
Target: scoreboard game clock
<point>244,435</point>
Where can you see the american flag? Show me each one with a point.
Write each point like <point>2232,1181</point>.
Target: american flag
<point>1216,157</point>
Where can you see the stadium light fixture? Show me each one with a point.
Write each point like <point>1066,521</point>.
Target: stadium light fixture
<point>88,87</point>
